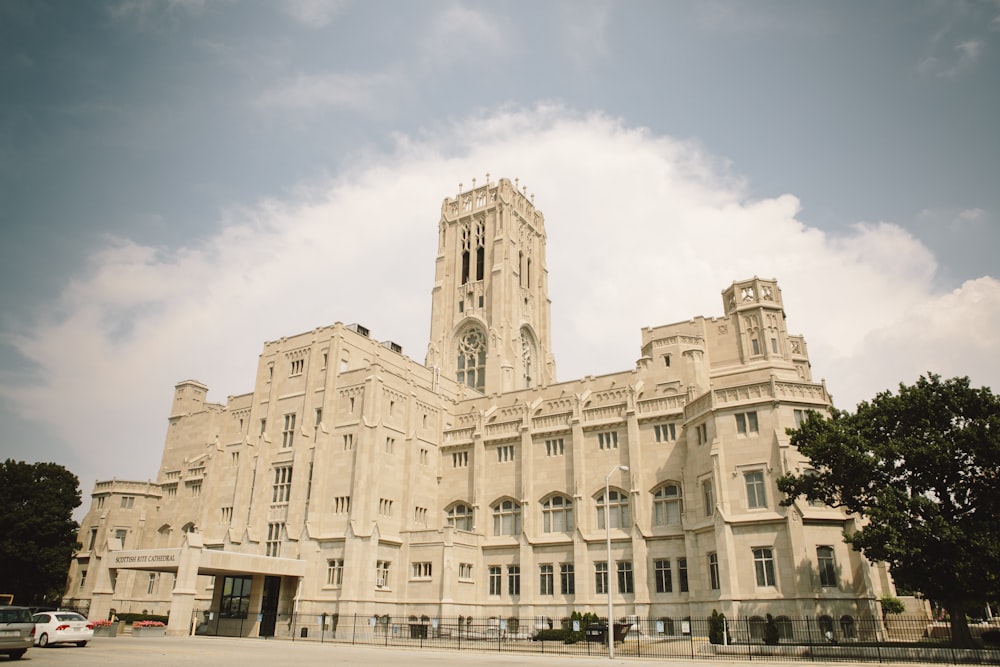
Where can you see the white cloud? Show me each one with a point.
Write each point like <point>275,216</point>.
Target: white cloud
<point>355,92</point>
<point>643,229</point>
<point>313,13</point>
<point>461,33</point>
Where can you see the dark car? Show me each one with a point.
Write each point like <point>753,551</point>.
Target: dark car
<point>17,631</point>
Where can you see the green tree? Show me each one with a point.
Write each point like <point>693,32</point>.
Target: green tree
<point>37,530</point>
<point>922,467</point>
<point>771,634</point>
<point>716,627</point>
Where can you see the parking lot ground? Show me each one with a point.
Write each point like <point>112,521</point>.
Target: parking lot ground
<point>223,652</point>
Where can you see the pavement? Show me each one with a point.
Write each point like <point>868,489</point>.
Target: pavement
<point>224,651</point>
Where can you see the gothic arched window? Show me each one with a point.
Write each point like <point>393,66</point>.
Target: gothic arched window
<point>472,359</point>
<point>667,505</point>
<point>460,516</point>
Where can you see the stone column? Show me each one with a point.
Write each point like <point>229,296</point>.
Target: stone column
<point>185,586</point>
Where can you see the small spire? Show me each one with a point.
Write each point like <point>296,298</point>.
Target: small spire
<point>487,179</point>
<point>459,188</point>
<point>473,184</point>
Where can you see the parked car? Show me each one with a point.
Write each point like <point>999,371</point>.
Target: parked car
<point>62,627</point>
<point>17,631</point>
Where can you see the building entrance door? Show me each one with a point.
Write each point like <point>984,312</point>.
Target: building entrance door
<point>269,606</point>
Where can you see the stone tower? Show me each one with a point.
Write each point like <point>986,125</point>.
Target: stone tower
<point>490,321</point>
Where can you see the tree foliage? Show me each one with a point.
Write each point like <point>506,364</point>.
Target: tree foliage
<point>37,530</point>
<point>922,467</point>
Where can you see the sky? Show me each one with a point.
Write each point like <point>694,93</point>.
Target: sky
<point>182,180</point>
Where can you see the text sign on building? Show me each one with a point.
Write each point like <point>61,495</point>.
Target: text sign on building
<point>146,558</point>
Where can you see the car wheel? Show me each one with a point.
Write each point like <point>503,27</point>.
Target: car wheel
<point>16,655</point>
<point>43,641</point>
<point>81,644</point>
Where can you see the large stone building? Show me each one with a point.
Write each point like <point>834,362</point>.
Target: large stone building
<point>353,479</point>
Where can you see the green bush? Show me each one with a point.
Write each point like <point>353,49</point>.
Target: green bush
<point>771,635</point>
<point>553,635</point>
<point>716,627</point>
<point>891,605</point>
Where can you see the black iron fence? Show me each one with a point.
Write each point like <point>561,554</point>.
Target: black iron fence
<point>897,639</point>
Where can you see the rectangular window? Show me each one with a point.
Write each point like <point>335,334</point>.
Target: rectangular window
<point>661,572</point>
<point>390,445</point>
<point>608,440</point>
<point>194,488</point>
<point>682,574</point>
<point>120,535</point>
<point>514,579</point>
<point>99,501</point>
<point>746,423</point>
<point>341,504</point>
<point>319,417</point>
<point>172,491</point>
<point>763,564</point>
<point>713,571</point>
<point>423,456</point>
<point>152,583</point>
<point>567,579</point>
<point>505,453</point>
<point>701,433</point>
<point>83,577</point>
<point>465,571</point>
<point>774,345</point>
<point>666,432</point>
<point>546,580</point>
<point>756,345</point>
<point>227,514</point>
<point>827,567</point>
<point>800,417</point>
<point>495,579</point>
<point>235,600</point>
<point>460,459</point>
<point>92,540</point>
<point>420,571</point>
<point>298,365</point>
<point>420,515</point>
<point>288,432</point>
<point>335,572</point>
<point>601,578</point>
<point>708,497</point>
<point>382,574</point>
<point>263,426</point>
<point>756,498</point>
<point>273,544</point>
<point>128,502</point>
<point>235,459</point>
<point>282,488</point>
<point>626,584</point>
<point>348,442</point>
<point>556,447</point>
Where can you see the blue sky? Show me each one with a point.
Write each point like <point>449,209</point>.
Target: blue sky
<point>183,180</point>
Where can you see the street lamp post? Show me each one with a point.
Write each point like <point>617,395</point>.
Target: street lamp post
<point>607,534</point>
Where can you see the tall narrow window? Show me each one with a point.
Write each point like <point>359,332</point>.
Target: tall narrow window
<point>567,579</point>
<point>601,577</point>
<point>472,359</point>
<point>334,572</point>
<point>746,423</point>
<point>495,579</point>
<point>546,580</point>
<point>514,579</point>
<point>288,432</point>
<point>667,505</point>
<point>608,440</point>
<point>827,567</point>
<point>682,574</point>
<point>626,584</point>
<point>708,497</point>
<point>713,571</point>
<point>282,489</point>
<point>382,573</point>
<point>763,563</point>
<point>661,572</point>
<point>756,498</point>
<point>273,544</point>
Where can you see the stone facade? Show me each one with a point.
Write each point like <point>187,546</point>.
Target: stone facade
<point>356,480</point>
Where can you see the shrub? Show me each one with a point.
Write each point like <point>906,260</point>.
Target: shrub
<point>891,605</point>
<point>771,634</point>
<point>716,627</point>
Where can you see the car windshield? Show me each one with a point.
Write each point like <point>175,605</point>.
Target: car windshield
<point>70,617</point>
<point>15,616</point>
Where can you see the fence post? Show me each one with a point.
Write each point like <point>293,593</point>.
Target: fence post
<point>354,628</point>
<point>746,623</point>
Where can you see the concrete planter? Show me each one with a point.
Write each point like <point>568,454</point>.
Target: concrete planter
<point>160,631</point>
<point>107,630</point>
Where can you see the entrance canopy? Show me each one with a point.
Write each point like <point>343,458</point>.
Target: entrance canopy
<point>209,562</point>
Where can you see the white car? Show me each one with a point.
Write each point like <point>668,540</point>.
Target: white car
<point>62,627</point>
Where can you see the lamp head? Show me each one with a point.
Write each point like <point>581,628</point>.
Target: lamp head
<point>623,468</point>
